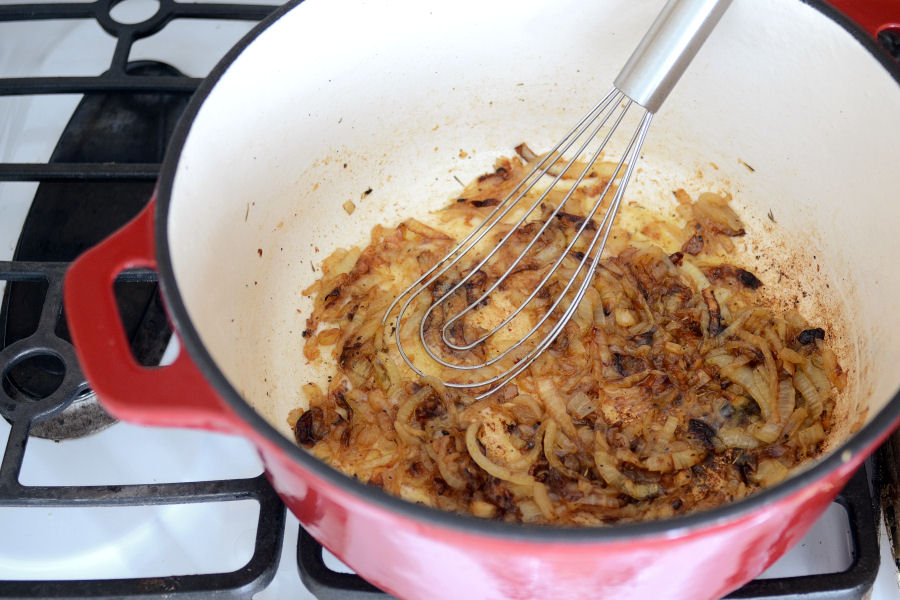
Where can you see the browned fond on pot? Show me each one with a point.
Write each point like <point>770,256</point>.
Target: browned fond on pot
<point>791,275</point>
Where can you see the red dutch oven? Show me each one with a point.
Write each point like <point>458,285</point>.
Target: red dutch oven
<point>330,98</point>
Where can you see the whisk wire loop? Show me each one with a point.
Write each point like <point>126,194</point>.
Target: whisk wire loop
<point>614,107</point>
<point>541,166</point>
<point>477,234</point>
<point>645,81</point>
<point>587,169</point>
<point>605,228</point>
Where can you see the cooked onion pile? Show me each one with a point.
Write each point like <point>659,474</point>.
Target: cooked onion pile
<point>673,389</point>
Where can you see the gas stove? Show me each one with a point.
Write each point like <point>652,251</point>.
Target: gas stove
<point>89,93</point>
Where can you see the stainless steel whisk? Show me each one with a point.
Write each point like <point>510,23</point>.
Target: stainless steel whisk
<point>645,81</point>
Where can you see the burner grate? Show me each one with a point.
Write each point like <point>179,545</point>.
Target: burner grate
<point>99,176</point>
<point>852,584</point>
<point>255,575</point>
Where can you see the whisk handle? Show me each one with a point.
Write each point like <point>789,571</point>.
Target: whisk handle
<point>667,49</point>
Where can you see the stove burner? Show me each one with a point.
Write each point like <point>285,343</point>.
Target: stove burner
<point>40,373</point>
<point>69,217</point>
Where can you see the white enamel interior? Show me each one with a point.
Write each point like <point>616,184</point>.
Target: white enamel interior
<point>338,97</point>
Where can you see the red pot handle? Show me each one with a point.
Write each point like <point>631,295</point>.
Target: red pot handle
<point>874,16</point>
<point>174,395</point>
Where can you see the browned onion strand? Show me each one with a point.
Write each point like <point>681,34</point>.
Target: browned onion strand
<point>673,389</point>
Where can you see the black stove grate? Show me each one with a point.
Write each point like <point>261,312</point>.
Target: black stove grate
<point>852,584</point>
<point>100,175</point>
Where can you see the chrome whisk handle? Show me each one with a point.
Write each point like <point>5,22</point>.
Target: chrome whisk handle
<point>667,49</point>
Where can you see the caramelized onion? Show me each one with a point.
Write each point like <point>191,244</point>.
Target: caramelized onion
<point>498,471</point>
<point>674,387</point>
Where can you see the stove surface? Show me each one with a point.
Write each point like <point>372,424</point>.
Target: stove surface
<point>85,502</point>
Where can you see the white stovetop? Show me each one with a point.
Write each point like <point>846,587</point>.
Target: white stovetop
<point>87,543</point>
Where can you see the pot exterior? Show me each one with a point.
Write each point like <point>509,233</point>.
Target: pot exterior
<point>413,557</point>
<point>414,560</point>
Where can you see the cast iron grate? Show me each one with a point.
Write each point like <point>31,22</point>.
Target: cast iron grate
<point>100,175</point>
<point>852,584</point>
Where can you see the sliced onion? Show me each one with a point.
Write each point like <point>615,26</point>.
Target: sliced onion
<point>814,402</point>
<point>385,372</point>
<point>448,475</point>
<point>787,399</point>
<point>766,432</point>
<point>795,421</point>
<point>606,466</point>
<point>313,394</point>
<point>406,432</point>
<point>695,275</point>
<point>792,356</point>
<point>482,509</point>
<point>550,451</point>
<point>738,322</point>
<point>719,357</point>
<point>492,468</point>
<point>530,457</point>
<point>734,437</point>
<point>810,436</point>
<point>555,404</point>
<point>770,471</point>
<point>830,365</point>
<point>581,405</point>
<point>530,511</point>
<point>818,378</point>
<point>329,336</point>
<point>625,317</point>
<point>542,499</point>
<point>668,429</point>
<point>659,463</point>
<point>722,295</point>
<point>685,459</point>
<point>713,211</point>
<point>754,383</point>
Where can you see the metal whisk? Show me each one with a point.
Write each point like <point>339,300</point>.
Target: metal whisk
<point>643,84</point>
